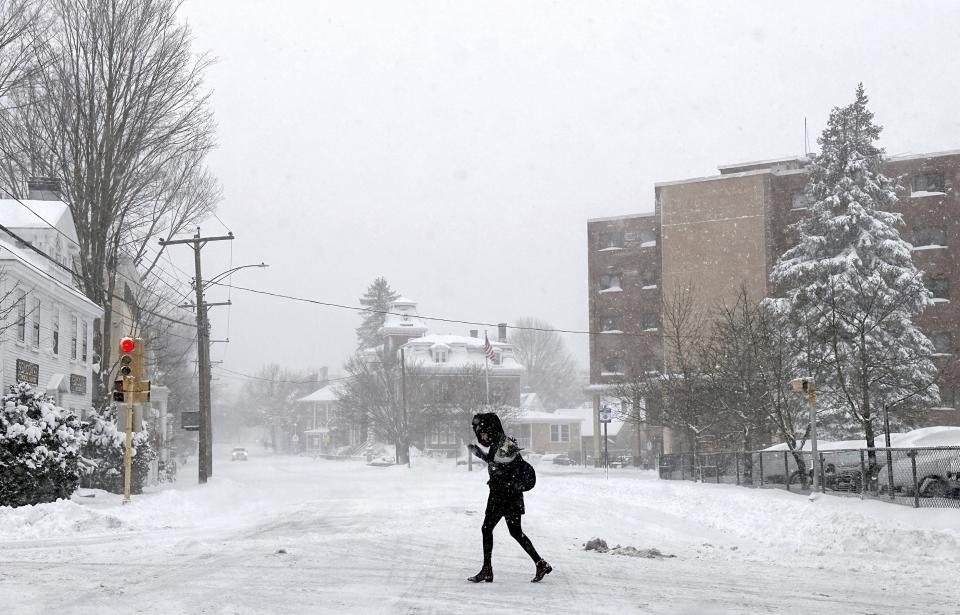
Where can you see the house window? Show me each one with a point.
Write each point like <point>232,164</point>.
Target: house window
<point>651,365</point>
<point>648,321</point>
<point>73,336</point>
<point>83,342</point>
<point>929,236</point>
<point>613,365</point>
<point>35,322</point>
<point>942,342</point>
<point>648,238</point>
<point>439,356</point>
<point>55,330</point>
<point>928,182</point>
<point>22,318</point>
<point>611,281</point>
<point>497,357</point>
<point>800,200</point>
<point>610,239</point>
<point>443,392</point>
<point>946,398</point>
<point>939,286</point>
<point>648,277</point>
<point>559,433</point>
<point>612,322</point>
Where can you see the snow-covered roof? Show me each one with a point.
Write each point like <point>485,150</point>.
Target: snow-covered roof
<point>34,263</point>
<point>646,214</point>
<point>532,416</point>
<point>327,393</point>
<point>918,438</point>
<point>403,319</point>
<point>771,162</point>
<point>15,214</point>
<point>586,427</point>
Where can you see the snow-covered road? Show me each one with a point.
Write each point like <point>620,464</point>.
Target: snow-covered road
<point>293,535</point>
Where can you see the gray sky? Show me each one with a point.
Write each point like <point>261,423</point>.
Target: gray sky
<point>458,148</point>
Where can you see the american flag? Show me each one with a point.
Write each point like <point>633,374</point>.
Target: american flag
<point>487,348</point>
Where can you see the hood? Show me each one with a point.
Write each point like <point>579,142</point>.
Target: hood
<point>490,423</point>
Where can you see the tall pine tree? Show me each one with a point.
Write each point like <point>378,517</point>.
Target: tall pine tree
<point>849,288</point>
<point>377,300</point>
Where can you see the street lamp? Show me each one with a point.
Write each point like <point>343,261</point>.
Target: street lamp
<point>224,274</point>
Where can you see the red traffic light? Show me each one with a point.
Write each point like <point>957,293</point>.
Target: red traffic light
<point>127,344</point>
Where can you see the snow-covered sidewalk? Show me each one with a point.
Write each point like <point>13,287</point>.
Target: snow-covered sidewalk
<point>291,535</point>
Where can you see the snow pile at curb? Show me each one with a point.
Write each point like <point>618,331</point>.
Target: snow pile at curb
<point>53,520</point>
<point>600,546</point>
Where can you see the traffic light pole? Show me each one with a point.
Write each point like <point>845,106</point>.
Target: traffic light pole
<point>205,462</point>
<point>128,437</point>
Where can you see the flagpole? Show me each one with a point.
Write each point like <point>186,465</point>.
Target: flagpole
<point>486,367</point>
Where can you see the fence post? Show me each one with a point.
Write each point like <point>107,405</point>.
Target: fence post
<point>736,460</point>
<point>863,476</point>
<point>823,483</point>
<point>893,496</point>
<point>761,467</point>
<point>719,463</point>
<point>786,470</point>
<point>916,488</point>
<point>682,475</point>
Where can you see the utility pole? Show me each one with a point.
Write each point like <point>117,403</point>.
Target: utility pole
<point>205,461</point>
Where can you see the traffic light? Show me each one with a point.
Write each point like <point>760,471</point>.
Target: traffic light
<point>131,358</point>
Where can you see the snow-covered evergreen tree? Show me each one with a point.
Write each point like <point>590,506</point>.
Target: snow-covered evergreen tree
<point>39,449</point>
<point>377,299</point>
<point>850,289</point>
<point>104,446</point>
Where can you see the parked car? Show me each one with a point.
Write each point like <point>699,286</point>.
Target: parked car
<point>238,454</point>
<point>621,461</point>
<point>558,459</point>
<point>938,473</point>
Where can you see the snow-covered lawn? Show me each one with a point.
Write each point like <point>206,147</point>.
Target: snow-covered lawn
<point>292,535</point>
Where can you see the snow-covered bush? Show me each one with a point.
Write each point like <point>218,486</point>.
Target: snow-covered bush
<point>39,448</point>
<point>104,447</point>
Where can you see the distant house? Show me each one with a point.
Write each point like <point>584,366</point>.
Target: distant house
<point>548,432</point>
<point>617,435</point>
<point>47,340</point>
<point>322,432</point>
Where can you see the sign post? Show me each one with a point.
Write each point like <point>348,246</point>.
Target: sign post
<point>605,418</point>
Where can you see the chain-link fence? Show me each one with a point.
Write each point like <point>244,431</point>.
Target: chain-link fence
<point>918,477</point>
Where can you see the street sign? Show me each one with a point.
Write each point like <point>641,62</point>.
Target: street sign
<point>606,414</point>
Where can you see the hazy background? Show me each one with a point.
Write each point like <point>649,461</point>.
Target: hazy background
<point>458,148</point>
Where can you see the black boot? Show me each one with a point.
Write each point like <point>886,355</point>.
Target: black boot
<point>485,575</point>
<point>543,569</point>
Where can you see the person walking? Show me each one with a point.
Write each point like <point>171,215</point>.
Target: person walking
<point>506,498</point>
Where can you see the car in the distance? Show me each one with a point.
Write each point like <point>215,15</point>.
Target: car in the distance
<point>558,459</point>
<point>238,454</point>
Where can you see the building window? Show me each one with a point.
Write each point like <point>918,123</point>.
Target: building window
<point>946,398</point>
<point>22,318</point>
<point>610,239</point>
<point>648,321</point>
<point>83,342</point>
<point>613,365</point>
<point>444,392</point>
<point>928,182</point>
<point>648,238</point>
<point>612,322</point>
<point>939,286</point>
<point>497,357</point>
<point>651,365</point>
<point>35,322</point>
<point>55,330</point>
<point>611,282</point>
<point>929,236</point>
<point>74,332</point>
<point>439,356</point>
<point>559,433</point>
<point>800,200</point>
<point>942,342</point>
<point>648,277</point>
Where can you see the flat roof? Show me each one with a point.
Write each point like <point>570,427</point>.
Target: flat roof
<point>709,178</point>
<point>649,214</point>
<point>899,157</point>
<point>756,162</point>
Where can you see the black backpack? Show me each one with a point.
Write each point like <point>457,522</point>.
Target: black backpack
<point>524,476</point>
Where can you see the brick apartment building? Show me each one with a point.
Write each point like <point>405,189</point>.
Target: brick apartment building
<point>722,231</point>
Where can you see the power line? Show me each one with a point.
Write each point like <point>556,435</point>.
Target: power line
<point>354,308</point>
<point>263,379</point>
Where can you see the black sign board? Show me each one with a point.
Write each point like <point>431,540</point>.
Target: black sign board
<point>190,421</point>
<point>78,384</point>
<point>28,372</point>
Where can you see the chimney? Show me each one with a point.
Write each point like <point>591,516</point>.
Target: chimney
<point>474,333</point>
<point>43,189</point>
<point>502,332</point>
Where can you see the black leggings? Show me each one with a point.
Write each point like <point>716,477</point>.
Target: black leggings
<point>513,524</point>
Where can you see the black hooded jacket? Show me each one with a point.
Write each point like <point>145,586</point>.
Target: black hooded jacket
<point>503,455</point>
